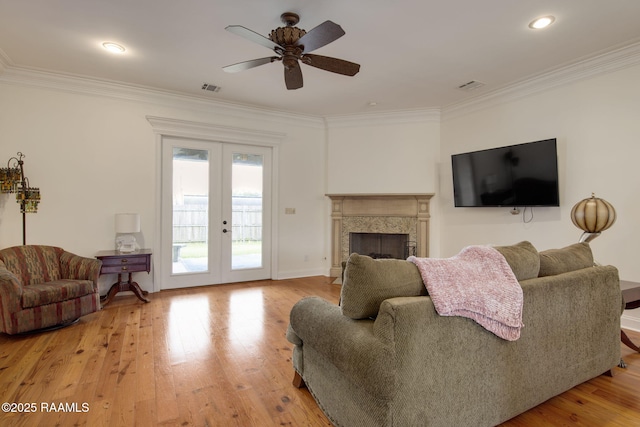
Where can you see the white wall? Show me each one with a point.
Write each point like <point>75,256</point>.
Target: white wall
<point>95,155</point>
<point>597,125</point>
<point>383,153</point>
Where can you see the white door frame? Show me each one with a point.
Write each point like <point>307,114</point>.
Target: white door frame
<point>167,127</point>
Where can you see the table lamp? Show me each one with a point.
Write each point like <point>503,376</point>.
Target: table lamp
<point>592,215</point>
<point>126,225</point>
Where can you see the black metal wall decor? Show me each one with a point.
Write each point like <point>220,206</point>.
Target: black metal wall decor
<point>12,180</point>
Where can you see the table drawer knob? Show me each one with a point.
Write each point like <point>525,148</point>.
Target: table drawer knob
<point>124,260</point>
<point>124,268</point>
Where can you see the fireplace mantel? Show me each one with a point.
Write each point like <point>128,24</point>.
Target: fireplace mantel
<point>377,213</point>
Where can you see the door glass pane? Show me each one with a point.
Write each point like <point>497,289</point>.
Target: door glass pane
<point>190,210</point>
<point>246,207</point>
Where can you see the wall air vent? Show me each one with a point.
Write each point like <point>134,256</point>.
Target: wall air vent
<point>211,88</point>
<point>473,84</point>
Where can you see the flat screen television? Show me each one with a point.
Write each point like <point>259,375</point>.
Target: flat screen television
<point>516,175</point>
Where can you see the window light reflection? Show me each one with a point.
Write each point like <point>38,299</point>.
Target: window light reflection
<point>246,316</point>
<point>189,330</point>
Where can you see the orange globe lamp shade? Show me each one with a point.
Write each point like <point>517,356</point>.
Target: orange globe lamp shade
<point>592,215</point>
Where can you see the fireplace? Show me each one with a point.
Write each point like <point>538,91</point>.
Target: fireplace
<point>384,214</point>
<point>381,245</point>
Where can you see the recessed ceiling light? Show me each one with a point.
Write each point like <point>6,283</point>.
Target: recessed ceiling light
<point>542,22</point>
<point>113,47</point>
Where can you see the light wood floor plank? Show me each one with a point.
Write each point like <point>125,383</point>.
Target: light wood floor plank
<point>218,356</point>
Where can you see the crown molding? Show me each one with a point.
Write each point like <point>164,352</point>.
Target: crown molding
<point>592,66</point>
<point>431,115</point>
<point>105,88</point>
<point>5,61</point>
<point>189,129</point>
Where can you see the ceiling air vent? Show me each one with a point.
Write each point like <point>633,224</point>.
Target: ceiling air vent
<point>211,88</point>
<point>473,84</point>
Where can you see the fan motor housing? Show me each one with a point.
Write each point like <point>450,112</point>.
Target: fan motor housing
<point>285,36</point>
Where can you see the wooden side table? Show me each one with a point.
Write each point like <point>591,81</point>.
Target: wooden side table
<point>631,296</point>
<point>114,262</point>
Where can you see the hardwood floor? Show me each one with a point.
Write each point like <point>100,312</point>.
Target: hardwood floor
<point>218,356</point>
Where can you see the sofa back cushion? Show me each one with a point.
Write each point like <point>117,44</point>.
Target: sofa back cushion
<point>367,282</point>
<point>523,258</point>
<point>570,258</point>
<point>33,264</point>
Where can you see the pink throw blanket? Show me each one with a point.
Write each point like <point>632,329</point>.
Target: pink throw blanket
<point>477,283</point>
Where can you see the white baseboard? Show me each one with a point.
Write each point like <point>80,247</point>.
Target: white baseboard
<point>630,322</point>
<point>294,274</point>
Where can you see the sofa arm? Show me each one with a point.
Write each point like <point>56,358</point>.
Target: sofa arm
<point>80,268</point>
<point>350,345</point>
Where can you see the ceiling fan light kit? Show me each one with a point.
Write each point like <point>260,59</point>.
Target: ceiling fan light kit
<point>292,45</point>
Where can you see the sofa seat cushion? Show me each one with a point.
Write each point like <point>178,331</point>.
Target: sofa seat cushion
<point>55,291</point>
<point>571,258</point>
<point>368,282</point>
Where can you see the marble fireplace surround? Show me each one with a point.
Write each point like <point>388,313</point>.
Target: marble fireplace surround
<point>377,213</point>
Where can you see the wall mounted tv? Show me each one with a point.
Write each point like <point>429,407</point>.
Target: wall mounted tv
<point>517,175</point>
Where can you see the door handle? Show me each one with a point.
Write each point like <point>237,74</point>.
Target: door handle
<point>224,230</point>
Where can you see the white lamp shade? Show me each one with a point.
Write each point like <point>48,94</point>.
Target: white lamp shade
<point>127,223</point>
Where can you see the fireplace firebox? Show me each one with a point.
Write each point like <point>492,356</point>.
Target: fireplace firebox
<point>382,245</point>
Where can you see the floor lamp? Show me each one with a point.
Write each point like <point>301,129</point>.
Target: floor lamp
<point>12,180</point>
<point>593,216</point>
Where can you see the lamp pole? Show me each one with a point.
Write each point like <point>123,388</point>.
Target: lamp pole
<point>23,190</point>
<point>12,180</point>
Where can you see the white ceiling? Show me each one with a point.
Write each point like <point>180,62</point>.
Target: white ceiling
<point>413,54</point>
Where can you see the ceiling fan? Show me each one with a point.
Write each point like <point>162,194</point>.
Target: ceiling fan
<point>292,45</point>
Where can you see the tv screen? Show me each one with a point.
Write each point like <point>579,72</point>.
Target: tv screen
<point>517,175</point>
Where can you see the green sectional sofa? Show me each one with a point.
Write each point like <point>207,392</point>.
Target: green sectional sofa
<point>384,357</point>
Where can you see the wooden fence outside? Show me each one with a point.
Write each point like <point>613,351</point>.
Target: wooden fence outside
<point>190,223</point>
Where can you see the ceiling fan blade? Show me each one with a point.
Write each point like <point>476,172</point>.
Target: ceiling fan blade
<point>320,36</point>
<point>293,76</point>
<point>334,65</point>
<point>241,66</point>
<point>253,36</point>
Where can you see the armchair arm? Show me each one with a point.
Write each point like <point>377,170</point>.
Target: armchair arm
<point>349,344</point>
<point>80,268</point>
<point>10,295</point>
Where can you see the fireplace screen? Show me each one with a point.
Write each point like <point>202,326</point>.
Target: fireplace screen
<point>381,245</point>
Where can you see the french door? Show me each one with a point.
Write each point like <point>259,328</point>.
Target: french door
<point>215,220</point>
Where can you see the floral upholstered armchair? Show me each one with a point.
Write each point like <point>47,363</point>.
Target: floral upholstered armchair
<point>45,286</point>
